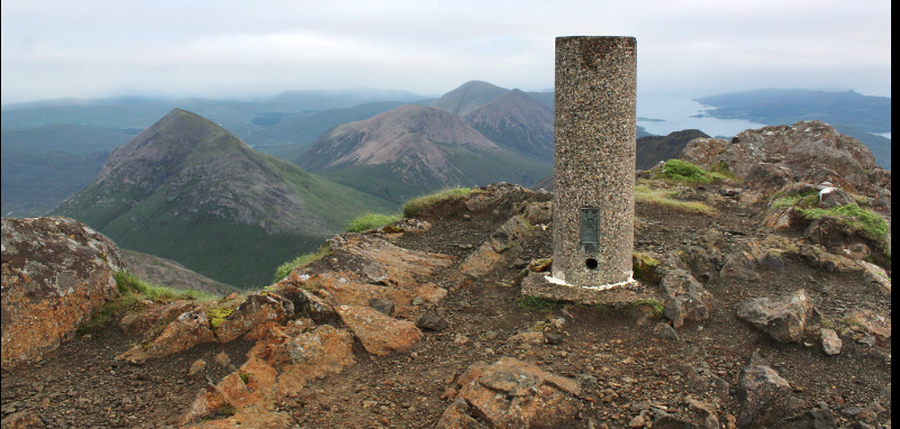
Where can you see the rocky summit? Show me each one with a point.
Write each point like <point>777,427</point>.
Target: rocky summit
<point>761,301</point>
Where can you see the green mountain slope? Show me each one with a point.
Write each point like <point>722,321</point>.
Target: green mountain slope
<point>188,190</point>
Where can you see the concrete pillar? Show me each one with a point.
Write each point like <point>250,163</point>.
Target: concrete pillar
<point>594,165</point>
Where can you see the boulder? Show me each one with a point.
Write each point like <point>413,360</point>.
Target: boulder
<point>432,322</point>
<point>505,198</point>
<point>512,394</point>
<point>762,394</point>
<point>277,366</point>
<point>746,262</point>
<point>256,309</point>
<point>840,237</point>
<point>686,298</point>
<point>365,268</point>
<point>783,318</point>
<point>539,212</point>
<point>869,322</point>
<point>228,320</point>
<point>57,273</point>
<point>380,335</point>
<point>143,320</point>
<point>831,342</point>
<point>834,197</point>
<point>818,257</point>
<point>877,276</point>
<point>501,250</point>
<point>187,330</point>
<point>782,219</point>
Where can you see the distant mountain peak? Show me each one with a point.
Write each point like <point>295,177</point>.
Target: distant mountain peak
<point>160,151</point>
<point>468,97</point>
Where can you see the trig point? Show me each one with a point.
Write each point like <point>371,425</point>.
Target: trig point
<point>594,166</point>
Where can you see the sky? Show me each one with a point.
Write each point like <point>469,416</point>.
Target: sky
<point>236,49</point>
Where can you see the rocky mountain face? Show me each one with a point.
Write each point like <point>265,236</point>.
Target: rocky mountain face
<point>188,190</point>
<point>413,149</point>
<point>518,121</point>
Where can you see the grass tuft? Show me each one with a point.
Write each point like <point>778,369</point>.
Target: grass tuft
<point>414,206</point>
<point>685,172</point>
<point>133,290</point>
<point>856,218</point>
<point>643,194</point>
<point>301,261</point>
<point>370,221</point>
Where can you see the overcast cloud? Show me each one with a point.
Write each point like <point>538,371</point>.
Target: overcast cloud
<point>54,49</point>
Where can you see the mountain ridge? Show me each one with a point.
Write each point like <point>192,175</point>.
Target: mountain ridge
<point>186,189</point>
<point>411,150</point>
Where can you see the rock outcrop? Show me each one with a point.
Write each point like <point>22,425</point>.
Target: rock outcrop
<point>809,151</point>
<point>783,318</point>
<point>57,273</point>
<point>511,394</point>
<point>686,298</point>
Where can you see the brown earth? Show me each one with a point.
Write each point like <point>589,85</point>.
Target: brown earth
<point>623,367</point>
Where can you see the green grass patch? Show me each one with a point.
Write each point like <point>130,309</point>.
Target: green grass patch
<point>856,217</point>
<point>532,303</point>
<point>685,172</point>
<point>370,221</point>
<point>133,290</point>
<point>414,206</point>
<point>644,194</point>
<point>129,283</point>
<point>301,261</point>
<point>806,199</point>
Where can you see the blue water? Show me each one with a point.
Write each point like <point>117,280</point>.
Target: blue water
<point>677,112</point>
